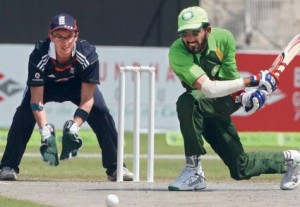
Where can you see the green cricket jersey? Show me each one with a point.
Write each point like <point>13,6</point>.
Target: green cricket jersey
<point>217,61</point>
<point>209,118</point>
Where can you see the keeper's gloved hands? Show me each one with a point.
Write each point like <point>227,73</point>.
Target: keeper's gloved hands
<point>71,142</point>
<point>48,147</point>
<point>253,100</point>
<point>265,80</point>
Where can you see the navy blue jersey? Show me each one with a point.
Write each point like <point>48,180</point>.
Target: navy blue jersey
<point>43,70</point>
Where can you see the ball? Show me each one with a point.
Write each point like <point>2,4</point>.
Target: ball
<point>112,200</point>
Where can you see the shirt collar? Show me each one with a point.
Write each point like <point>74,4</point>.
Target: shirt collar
<point>52,53</point>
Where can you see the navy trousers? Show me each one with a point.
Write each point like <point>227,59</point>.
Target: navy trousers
<point>100,120</point>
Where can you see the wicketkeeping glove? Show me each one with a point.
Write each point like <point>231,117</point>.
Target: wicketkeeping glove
<point>71,142</point>
<point>253,100</point>
<point>48,147</point>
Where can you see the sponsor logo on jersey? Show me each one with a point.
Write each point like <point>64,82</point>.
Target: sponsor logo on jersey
<point>72,70</point>
<point>215,70</point>
<point>37,75</point>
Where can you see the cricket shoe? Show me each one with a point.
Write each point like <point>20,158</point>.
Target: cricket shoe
<point>189,180</point>
<point>8,173</point>
<point>48,151</point>
<point>127,175</point>
<point>291,178</point>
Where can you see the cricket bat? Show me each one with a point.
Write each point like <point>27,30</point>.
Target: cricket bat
<point>286,56</point>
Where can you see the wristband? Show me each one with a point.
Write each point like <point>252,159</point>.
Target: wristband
<point>236,96</point>
<point>36,107</point>
<point>254,80</point>
<point>81,113</point>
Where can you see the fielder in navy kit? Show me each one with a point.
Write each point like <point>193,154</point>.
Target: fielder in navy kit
<point>62,68</point>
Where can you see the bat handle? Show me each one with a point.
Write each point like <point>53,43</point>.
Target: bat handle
<point>276,72</point>
<point>276,75</point>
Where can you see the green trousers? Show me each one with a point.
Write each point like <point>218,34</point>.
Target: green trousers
<point>209,118</point>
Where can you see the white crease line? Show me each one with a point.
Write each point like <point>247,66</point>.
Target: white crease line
<point>142,156</point>
<point>4,183</point>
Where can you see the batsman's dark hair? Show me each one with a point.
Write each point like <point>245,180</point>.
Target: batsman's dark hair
<point>205,25</point>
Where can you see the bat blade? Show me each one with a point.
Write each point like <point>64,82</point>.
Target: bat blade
<point>286,56</point>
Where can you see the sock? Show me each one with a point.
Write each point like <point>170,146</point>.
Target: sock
<point>194,162</point>
<point>291,157</point>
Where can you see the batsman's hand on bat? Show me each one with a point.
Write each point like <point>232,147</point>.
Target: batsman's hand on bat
<point>265,80</point>
<point>48,147</point>
<point>268,81</point>
<point>71,142</point>
<point>253,100</point>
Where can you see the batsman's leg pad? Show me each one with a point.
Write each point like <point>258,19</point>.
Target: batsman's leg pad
<point>70,146</point>
<point>48,151</point>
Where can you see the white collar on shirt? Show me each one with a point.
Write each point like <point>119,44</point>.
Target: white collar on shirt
<point>52,53</point>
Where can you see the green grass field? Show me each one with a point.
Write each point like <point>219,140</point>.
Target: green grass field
<point>90,169</point>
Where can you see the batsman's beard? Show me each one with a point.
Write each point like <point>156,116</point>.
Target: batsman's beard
<point>199,47</point>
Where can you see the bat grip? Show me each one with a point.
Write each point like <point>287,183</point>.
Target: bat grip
<point>262,88</point>
<point>276,75</point>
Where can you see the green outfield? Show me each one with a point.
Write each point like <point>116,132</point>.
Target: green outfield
<point>84,168</point>
<point>174,139</point>
<point>91,168</point>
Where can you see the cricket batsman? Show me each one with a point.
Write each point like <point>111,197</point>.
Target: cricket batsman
<point>203,58</point>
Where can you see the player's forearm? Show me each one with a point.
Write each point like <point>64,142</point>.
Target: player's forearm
<point>214,89</point>
<point>37,105</point>
<point>40,118</point>
<point>86,106</point>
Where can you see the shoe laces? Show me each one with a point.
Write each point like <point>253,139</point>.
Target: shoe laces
<point>293,173</point>
<point>187,171</point>
<point>7,168</point>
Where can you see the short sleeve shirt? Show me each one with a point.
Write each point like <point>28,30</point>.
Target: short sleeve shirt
<point>217,61</point>
<point>43,69</point>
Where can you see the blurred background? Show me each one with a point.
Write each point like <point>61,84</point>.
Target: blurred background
<point>256,24</point>
<point>135,32</point>
<point>102,22</point>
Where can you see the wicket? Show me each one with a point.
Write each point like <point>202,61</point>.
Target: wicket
<point>136,134</point>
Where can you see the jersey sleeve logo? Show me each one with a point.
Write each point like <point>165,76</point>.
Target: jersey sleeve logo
<point>37,75</point>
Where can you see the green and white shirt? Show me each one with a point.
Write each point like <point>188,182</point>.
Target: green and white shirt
<point>217,61</point>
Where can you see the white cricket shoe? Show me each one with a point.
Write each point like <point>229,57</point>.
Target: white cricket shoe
<point>291,178</point>
<point>189,180</point>
<point>127,175</point>
<point>8,173</point>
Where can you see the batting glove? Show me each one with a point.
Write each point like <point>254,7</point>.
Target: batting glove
<point>48,147</point>
<point>265,80</point>
<point>253,100</point>
<point>71,143</point>
<point>268,81</point>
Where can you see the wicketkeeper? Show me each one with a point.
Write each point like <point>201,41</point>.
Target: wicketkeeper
<point>62,68</point>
